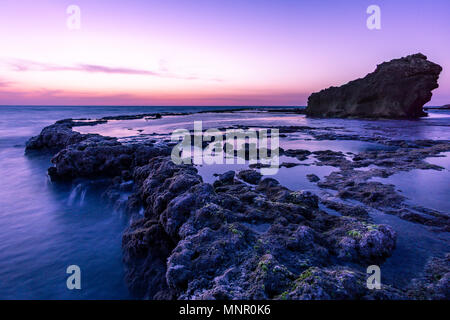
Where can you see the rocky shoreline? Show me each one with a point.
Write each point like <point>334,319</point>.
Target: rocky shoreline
<point>245,236</point>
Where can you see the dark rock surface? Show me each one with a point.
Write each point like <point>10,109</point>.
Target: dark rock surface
<point>235,241</point>
<point>55,137</point>
<point>250,176</point>
<point>90,155</point>
<point>312,177</point>
<point>396,89</point>
<point>354,184</point>
<point>435,282</point>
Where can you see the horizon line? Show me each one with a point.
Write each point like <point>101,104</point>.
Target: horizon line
<point>169,106</point>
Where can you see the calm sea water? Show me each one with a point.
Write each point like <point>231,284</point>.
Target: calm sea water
<point>45,227</point>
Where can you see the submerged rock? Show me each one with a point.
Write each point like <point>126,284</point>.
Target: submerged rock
<point>250,176</point>
<point>312,177</point>
<point>396,89</point>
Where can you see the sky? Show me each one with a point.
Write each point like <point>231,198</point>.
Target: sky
<point>214,52</point>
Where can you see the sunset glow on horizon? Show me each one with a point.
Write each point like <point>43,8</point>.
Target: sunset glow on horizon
<point>207,52</point>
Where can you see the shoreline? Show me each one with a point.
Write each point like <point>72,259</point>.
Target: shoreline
<point>166,220</point>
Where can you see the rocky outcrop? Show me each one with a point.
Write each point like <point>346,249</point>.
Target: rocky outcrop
<point>237,241</point>
<point>396,89</point>
<point>55,137</point>
<point>94,158</point>
<point>250,176</point>
<point>90,155</point>
<point>435,281</point>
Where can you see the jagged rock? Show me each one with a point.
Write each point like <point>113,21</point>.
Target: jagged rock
<point>356,241</point>
<point>435,282</point>
<point>305,197</point>
<point>55,137</point>
<point>346,210</point>
<point>227,177</point>
<point>396,89</point>
<point>300,154</point>
<point>312,177</point>
<point>250,176</point>
<point>90,155</point>
<point>213,245</point>
<point>336,284</point>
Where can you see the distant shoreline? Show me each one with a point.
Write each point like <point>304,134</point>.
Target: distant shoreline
<point>446,107</point>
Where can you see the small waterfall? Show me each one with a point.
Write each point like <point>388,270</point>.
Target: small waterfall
<point>78,193</point>
<point>83,196</point>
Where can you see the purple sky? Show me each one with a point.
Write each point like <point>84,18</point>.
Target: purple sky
<point>207,52</point>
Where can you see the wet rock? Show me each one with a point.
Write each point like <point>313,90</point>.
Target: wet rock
<point>364,242</point>
<point>289,164</point>
<point>355,184</point>
<point>312,177</point>
<point>377,242</point>
<point>55,137</point>
<point>305,197</point>
<point>101,158</point>
<point>346,210</point>
<point>250,176</point>
<point>230,242</point>
<point>227,177</point>
<point>336,284</point>
<point>396,89</point>
<point>145,250</point>
<point>90,155</point>
<point>300,154</point>
<point>435,281</point>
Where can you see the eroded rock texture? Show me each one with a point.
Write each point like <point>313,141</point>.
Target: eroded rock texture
<point>236,241</point>
<point>396,89</point>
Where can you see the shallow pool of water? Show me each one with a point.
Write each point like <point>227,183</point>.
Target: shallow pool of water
<point>428,188</point>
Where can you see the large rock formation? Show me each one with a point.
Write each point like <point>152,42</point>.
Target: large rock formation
<point>236,241</point>
<point>90,155</point>
<point>396,89</point>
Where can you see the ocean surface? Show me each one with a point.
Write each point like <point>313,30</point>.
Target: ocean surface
<point>46,227</point>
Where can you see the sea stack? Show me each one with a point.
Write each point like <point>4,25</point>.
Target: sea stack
<point>397,89</point>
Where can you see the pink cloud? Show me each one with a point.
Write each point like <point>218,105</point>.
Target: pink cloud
<point>20,65</point>
<point>5,83</point>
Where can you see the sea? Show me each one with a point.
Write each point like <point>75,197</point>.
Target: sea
<point>46,227</point>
